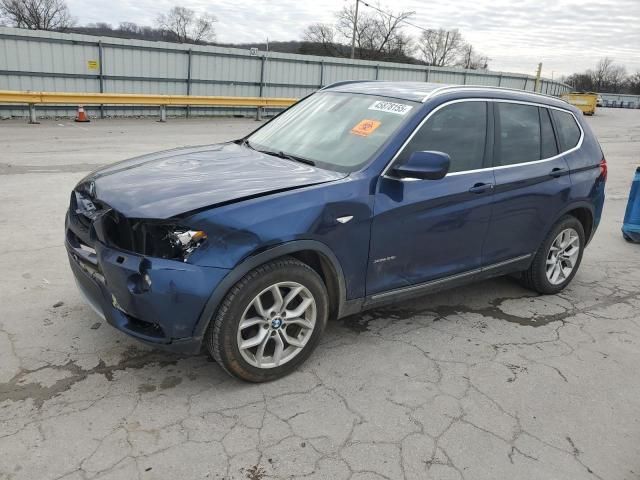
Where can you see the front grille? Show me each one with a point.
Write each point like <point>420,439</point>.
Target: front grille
<point>93,220</point>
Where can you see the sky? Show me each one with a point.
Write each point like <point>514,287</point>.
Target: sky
<point>567,36</point>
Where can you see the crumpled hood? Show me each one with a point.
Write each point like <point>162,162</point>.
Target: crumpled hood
<point>165,184</point>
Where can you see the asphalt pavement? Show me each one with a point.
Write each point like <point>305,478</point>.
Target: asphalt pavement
<point>488,381</point>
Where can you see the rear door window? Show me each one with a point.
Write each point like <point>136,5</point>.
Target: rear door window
<point>518,132</point>
<point>568,131</point>
<point>459,130</point>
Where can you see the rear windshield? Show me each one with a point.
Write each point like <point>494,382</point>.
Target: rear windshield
<point>335,130</point>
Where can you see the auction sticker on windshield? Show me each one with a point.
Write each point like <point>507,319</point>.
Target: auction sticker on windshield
<point>390,107</point>
<point>365,127</point>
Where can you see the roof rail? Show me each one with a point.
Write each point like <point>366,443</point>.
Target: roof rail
<point>439,90</point>
<point>344,82</point>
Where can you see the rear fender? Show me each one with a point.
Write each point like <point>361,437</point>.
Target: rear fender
<point>573,206</point>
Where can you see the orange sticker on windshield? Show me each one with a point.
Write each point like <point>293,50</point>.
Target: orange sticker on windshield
<point>365,127</point>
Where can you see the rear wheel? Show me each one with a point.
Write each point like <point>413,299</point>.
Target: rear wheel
<point>270,321</point>
<point>558,258</point>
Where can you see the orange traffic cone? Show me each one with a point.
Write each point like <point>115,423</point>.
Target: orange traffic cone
<point>81,115</point>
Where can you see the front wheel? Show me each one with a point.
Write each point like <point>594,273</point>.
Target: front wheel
<point>558,258</point>
<point>270,321</point>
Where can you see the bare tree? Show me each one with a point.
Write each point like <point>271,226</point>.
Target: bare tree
<point>633,83</point>
<point>472,60</point>
<point>36,14</point>
<point>378,34</point>
<point>391,38</point>
<point>601,73</point>
<point>606,77</point>
<point>441,48</point>
<point>203,28</point>
<point>129,27</point>
<point>616,78</point>
<point>323,35</point>
<point>186,26</point>
<point>319,33</point>
<point>581,82</point>
<point>345,20</point>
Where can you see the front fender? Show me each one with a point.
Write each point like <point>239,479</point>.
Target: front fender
<point>259,259</point>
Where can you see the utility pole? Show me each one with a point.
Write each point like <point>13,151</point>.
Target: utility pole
<point>535,87</point>
<point>263,70</point>
<point>353,36</point>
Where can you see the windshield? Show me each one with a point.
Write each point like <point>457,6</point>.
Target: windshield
<point>337,131</point>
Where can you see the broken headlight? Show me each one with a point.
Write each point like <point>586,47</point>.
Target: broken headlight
<point>184,242</point>
<point>154,238</point>
<point>165,240</point>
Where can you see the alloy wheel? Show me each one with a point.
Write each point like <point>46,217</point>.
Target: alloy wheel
<point>562,256</point>
<point>276,325</point>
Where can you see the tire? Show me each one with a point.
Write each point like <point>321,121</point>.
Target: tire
<point>536,277</point>
<point>253,299</point>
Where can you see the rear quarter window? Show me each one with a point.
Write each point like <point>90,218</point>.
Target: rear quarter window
<point>567,129</point>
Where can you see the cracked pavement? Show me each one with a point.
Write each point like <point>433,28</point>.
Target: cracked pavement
<point>488,381</point>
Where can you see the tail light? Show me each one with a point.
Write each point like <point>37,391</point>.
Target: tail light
<point>603,169</point>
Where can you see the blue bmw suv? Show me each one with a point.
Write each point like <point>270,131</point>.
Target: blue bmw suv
<point>360,194</point>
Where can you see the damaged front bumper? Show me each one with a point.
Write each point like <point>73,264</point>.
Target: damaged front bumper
<point>157,301</point>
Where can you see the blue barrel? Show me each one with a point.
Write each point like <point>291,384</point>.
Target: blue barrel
<point>631,225</point>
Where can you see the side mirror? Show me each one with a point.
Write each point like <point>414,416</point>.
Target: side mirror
<point>427,165</point>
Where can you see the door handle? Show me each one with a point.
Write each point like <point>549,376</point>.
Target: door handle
<point>558,172</point>
<point>481,187</point>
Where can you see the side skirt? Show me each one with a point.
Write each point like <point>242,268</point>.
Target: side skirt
<point>512,265</point>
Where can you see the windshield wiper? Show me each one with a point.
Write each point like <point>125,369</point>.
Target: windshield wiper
<point>295,158</point>
<point>245,143</point>
<point>279,154</point>
<point>286,156</point>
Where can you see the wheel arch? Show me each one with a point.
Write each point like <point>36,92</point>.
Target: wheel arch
<point>325,267</point>
<point>315,254</point>
<point>585,214</point>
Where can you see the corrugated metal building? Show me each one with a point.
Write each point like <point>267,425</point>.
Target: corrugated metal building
<point>51,61</point>
<point>620,100</point>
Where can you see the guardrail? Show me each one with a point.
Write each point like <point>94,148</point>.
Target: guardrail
<point>162,101</point>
